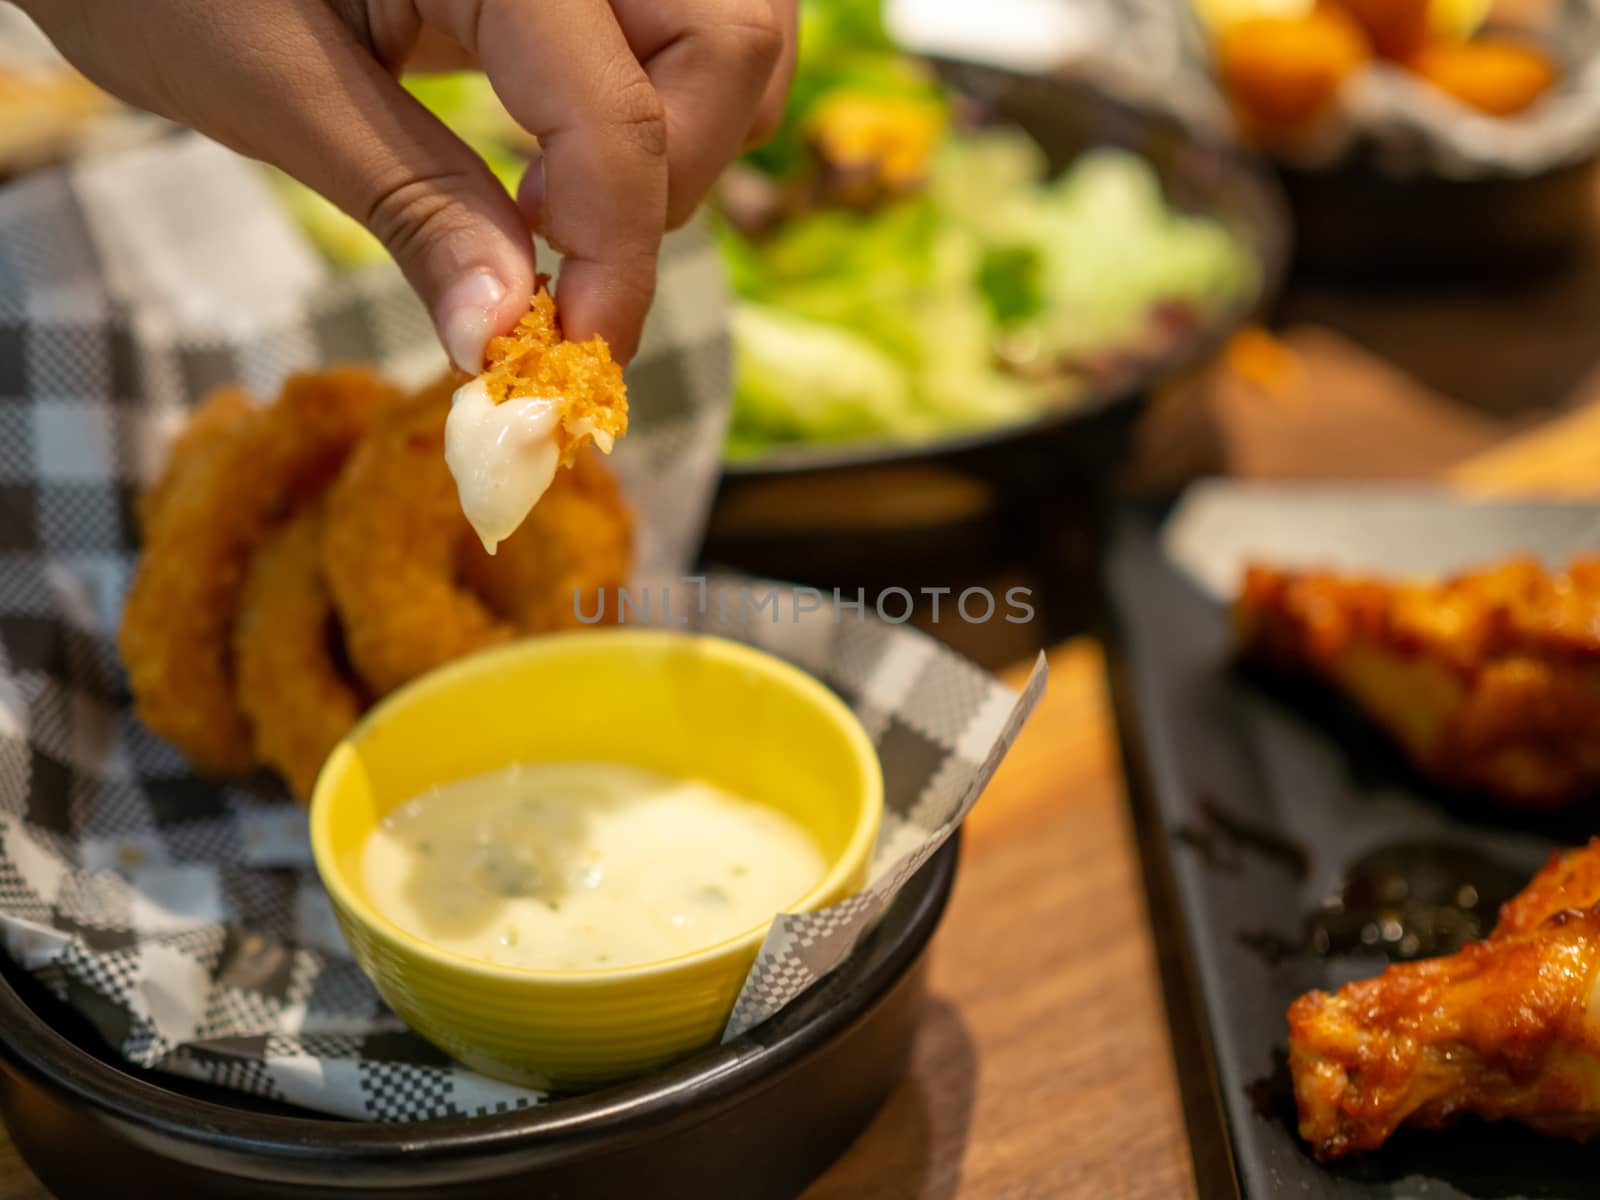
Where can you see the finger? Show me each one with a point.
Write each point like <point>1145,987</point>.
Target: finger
<point>294,85</point>
<point>711,62</point>
<point>394,32</point>
<point>565,73</point>
<point>769,113</point>
<point>436,52</point>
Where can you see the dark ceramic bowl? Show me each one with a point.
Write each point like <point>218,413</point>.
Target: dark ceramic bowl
<point>759,1117</point>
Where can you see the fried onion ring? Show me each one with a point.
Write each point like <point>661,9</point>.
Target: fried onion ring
<point>396,550</point>
<point>210,424</point>
<point>574,549</point>
<point>389,551</point>
<point>176,627</point>
<point>290,684</point>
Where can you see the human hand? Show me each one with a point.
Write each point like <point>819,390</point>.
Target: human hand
<point>637,106</point>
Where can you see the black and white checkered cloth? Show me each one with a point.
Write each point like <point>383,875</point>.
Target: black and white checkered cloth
<point>184,918</point>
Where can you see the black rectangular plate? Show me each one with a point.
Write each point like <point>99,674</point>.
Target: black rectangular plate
<point>1253,802</point>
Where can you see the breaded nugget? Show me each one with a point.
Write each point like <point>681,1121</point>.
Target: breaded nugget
<point>534,360</point>
<point>176,628</point>
<point>290,683</point>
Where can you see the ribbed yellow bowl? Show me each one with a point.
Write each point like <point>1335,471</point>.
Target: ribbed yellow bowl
<point>677,703</point>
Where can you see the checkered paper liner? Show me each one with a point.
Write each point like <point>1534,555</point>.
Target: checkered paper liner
<point>184,918</point>
<point>1154,53</point>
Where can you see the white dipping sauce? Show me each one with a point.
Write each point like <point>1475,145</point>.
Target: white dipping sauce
<point>584,865</point>
<point>503,457</point>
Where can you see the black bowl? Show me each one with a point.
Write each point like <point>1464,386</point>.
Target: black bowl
<point>759,1117</point>
<point>986,490</point>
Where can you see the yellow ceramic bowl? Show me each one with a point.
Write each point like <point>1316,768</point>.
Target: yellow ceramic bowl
<point>677,703</point>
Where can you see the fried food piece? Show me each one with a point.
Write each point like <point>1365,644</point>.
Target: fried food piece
<point>534,360</point>
<point>511,430</point>
<point>290,685</point>
<point>1489,680</point>
<point>570,555</point>
<point>210,424</point>
<point>389,550</point>
<point>1396,29</point>
<point>1569,880</point>
<point>403,563</point>
<point>1495,76</point>
<point>176,628</point>
<point>1503,1029</point>
<point>1282,73</point>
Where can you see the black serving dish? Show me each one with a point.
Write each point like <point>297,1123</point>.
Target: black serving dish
<point>1255,802</point>
<point>979,496</point>
<point>760,1117</point>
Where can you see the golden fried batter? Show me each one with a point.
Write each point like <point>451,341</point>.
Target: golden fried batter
<point>534,360</point>
<point>396,541</point>
<point>290,685</point>
<point>573,550</point>
<point>1569,880</point>
<point>1489,680</point>
<point>1503,1029</point>
<point>389,550</point>
<point>176,628</point>
<point>210,424</point>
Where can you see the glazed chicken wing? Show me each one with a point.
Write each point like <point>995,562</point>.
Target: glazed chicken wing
<point>1489,680</point>
<point>1506,1028</point>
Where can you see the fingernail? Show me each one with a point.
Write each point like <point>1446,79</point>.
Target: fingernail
<point>467,318</point>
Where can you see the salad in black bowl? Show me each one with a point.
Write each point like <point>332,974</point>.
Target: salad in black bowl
<point>919,256</point>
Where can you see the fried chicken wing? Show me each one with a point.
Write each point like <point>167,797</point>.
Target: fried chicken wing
<point>1489,680</point>
<point>1508,1028</point>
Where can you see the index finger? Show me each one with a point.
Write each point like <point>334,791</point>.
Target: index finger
<point>565,72</point>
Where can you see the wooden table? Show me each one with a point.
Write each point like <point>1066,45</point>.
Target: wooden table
<point>1043,1066</point>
